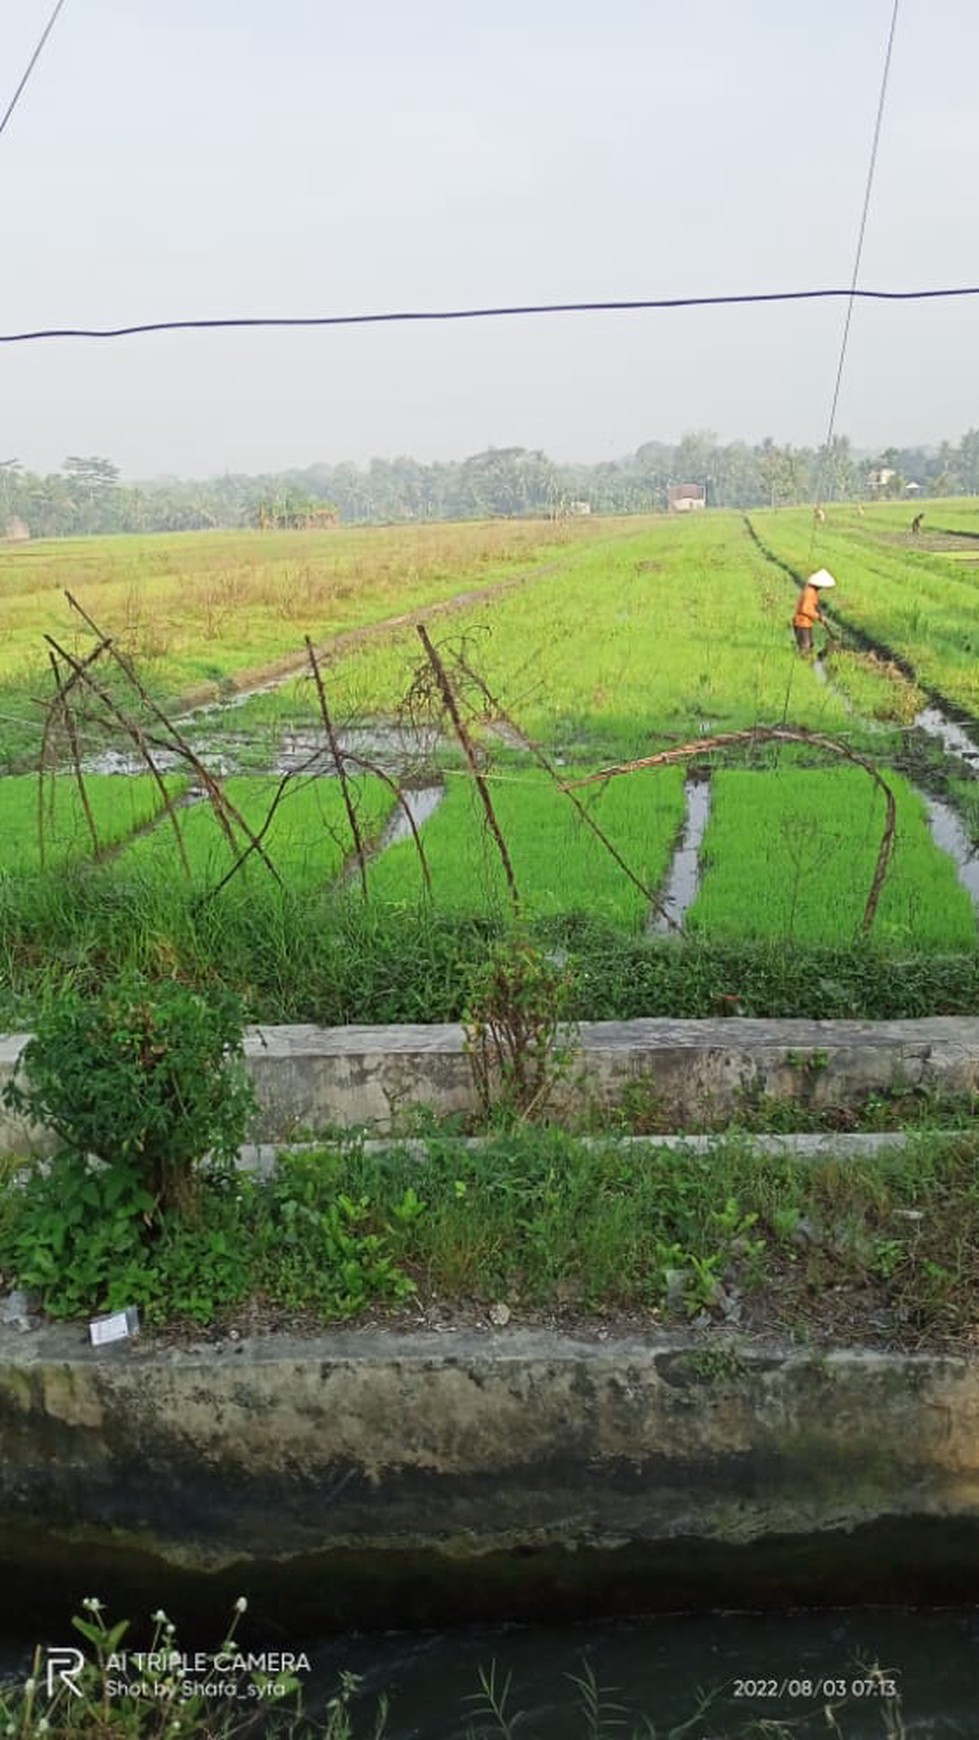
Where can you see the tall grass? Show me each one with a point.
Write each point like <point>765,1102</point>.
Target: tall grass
<point>304,955</point>
<point>201,606</point>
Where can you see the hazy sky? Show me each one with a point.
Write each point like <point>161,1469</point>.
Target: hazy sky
<point>232,157</point>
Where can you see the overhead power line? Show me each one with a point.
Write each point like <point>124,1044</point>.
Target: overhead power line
<point>246,322</point>
<point>35,57</point>
<point>854,293</point>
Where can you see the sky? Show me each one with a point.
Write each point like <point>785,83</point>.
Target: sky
<point>209,158</point>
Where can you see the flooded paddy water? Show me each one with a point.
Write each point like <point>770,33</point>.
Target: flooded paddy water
<point>684,877</point>
<point>954,739</point>
<point>394,748</point>
<point>950,836</point>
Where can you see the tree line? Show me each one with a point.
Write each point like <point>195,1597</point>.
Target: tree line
<point>88,496</point>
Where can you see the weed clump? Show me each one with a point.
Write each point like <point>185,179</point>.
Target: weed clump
<point>518,1039</point>
<point>139,1083</point>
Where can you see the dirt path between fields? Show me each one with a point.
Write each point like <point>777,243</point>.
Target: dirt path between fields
<point>244,683</point>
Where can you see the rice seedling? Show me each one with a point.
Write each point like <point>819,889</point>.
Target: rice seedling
<point>918,603</point>
<point>559,864</point>
<point>118,806</point>
<point>791,855</point>
<point>308,839</point>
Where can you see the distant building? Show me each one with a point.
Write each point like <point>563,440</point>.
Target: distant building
<point>685,498</point>
<point>16,531</point>
<point>912,488</point>
<point>579,507</point>
<point>881,478</point>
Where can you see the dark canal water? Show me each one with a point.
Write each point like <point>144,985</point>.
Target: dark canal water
<point>654,1667</point>
<point>764,1669</point>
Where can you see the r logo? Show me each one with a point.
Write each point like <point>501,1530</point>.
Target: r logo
<point>63,1668</point>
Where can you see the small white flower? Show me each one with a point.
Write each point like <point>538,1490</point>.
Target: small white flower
<point>30,1687</point>
<point>159,1617</point>
<point>93,1603</point>
<point>43,1727</point>
<point>241,1604</point>
<point>10,1729</point>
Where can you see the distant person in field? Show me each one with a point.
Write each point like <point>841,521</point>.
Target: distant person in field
<point>820,516</point>
<point>807,611</point>
<point>916,524</point>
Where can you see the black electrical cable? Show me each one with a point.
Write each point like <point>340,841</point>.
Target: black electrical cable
<point>530,308</point>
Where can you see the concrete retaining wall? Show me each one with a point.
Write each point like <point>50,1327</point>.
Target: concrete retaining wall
<point>436,1475</point>
<point>310,1077</point>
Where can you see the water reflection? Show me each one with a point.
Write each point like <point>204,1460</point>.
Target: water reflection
<point>950,836</point>
<point>681,889</point>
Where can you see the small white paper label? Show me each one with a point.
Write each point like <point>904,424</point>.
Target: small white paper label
<point>116,1326</point>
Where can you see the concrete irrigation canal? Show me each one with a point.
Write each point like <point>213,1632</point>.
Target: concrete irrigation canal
<point>697,1072</point>
<point>485,1474</point>
<point>498,1472</point>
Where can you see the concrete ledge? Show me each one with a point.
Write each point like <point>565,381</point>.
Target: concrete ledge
<point>314,1077</point>
<point>261,1158</point>
<point>369,1461</point>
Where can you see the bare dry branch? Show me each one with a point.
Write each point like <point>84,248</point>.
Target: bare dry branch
<point>132,730</point>
<point>543,760</point>
<point>225,812</point>
<point>776,734</point>
<point>63,704</point>
<point>445,689</point>
<point>338,762</point>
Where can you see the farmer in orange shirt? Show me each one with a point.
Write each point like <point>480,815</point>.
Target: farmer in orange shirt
<point>807,612</point>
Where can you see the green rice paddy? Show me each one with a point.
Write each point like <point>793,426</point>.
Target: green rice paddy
<point>657,636</point>
<point>791,856</point>
<point>913,599</point>
<point>559,865</point>
<point>55,816</point>
<point>308,839</point>
<point>624,643</point>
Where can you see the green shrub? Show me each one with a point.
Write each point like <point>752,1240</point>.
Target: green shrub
<point>148,1079</point>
